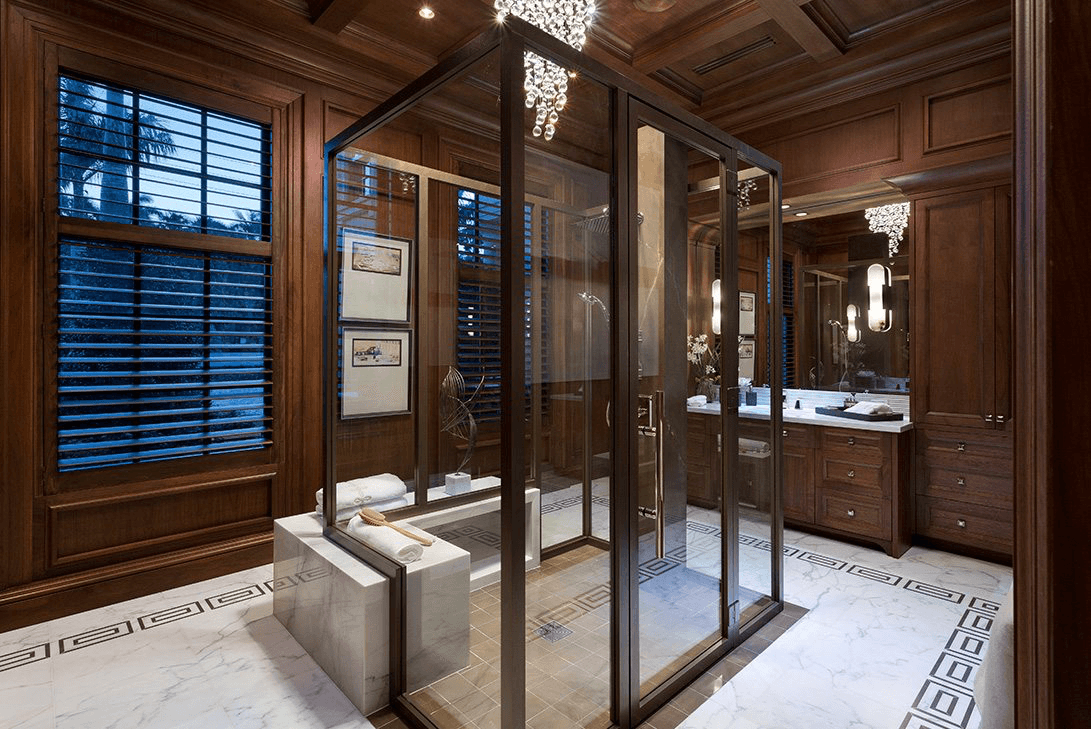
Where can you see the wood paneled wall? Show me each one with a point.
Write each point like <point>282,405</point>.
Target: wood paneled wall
<point>74,549</point>
<point>75,543</point>
<point>946,120</point>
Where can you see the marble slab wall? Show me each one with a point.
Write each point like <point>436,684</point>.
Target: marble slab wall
<point>338,609</point>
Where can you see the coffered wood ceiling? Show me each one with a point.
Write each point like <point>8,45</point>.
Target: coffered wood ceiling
<point>733,62</point>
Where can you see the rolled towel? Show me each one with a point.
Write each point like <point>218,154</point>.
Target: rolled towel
<point>364,491</point>
<point>697,400</point>
<point>349,512</point>
<point>869,408</point>
<point>384,539</point>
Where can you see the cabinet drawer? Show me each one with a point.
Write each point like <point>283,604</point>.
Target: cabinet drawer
<point>864,445</point>
<point>853,472</point>
<point>797,436</point>
<point>968,486</point>
<point>990,454</point>
<point>851,512</point>
<point>972,525</point>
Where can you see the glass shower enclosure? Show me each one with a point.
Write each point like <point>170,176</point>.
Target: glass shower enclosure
<point>524,342</point>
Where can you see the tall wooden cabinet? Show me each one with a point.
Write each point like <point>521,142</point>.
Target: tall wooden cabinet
<point>961,386</point>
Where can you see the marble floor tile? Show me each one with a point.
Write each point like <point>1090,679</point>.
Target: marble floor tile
<point>876,632</point>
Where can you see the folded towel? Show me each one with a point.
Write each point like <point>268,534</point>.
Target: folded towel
<point>749,445</point>
<point>363,491</point>
<point>869,408</point>
<point>350,511</point>
<point>384,539</point>
<point>697,400</point>
<point>744,382</point>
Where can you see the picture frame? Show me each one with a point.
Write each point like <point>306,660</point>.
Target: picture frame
<point>747,300</point>
<point>376,276</point>
<point>375,372</point>
<point>746,357</point>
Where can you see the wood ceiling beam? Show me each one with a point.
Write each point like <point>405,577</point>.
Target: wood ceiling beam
<point>699,31</point>
<point>334,15</point>
<point>789,16</point>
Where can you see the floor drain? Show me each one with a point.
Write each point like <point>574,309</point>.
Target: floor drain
<point>553,631</point>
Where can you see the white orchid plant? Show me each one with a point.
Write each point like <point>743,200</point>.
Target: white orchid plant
<point>704,357</point>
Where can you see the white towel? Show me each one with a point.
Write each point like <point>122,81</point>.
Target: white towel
<point>349,512</point>
<point>869,408</point>
<point>363,491</point>
<point>697,400</point>
<point>384,539</point>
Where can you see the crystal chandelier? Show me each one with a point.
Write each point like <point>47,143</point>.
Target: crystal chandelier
<point>546,83</point>
<point>889,219</point>
<point>745,188</point>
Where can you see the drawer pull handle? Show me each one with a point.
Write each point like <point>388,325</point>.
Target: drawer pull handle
<point>852,441</point>
<point>961,446</point>
<point>784,432</point>
<point>852,474</point>
<point>961,523</point>
<point>961,481</point>
<point>1000,418</point>
<point>851,513</point>
<point>989,418</point>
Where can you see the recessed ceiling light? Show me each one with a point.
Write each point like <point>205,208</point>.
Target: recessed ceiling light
<point>801,214</point>
<point>426,12</point>
<point>784,206</point>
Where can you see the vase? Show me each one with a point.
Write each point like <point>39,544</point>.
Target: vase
<point>709,389</point>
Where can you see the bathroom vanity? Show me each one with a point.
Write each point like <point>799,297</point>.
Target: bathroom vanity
<point>844,477</point>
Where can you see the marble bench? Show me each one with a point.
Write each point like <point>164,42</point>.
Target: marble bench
<point>338,609</point>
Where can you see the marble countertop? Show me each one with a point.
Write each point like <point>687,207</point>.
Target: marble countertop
<point>807,416</point>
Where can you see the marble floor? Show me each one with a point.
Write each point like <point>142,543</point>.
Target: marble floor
<point>883,643</point>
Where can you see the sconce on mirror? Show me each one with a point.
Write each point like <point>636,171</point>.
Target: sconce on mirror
<point>851,332</point>
<point>716,306</point>
<point>879,313</point>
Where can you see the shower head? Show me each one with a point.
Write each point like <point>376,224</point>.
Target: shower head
<point>600,223</point>
<point>592,300</point>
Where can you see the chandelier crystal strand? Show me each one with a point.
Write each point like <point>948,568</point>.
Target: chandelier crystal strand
<point>546,83</point>
<point>891,220</point>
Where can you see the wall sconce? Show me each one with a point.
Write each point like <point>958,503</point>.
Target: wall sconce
<point>851,332</point>
<point>879,313</point>
<point>716,306</point>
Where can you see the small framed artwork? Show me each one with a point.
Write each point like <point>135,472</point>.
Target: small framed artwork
<point>375,369</point>
<point>746,358</point>
<point>746,313</point>
<point>375,277</point>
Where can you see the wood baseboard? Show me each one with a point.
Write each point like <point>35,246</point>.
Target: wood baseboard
<point>44,600</point>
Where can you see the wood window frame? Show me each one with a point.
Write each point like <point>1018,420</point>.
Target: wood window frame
<point>58,60</point>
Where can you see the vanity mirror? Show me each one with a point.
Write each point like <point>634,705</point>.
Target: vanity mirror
<point>854,326</point>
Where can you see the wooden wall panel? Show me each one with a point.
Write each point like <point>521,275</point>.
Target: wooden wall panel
<point>950,119</point>
<point>969,115</point>
<point>95,530</point>
<point>867,140</point>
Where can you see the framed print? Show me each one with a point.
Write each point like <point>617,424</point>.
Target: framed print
<point>746,357</point>
<point>746,313</point>
<point>375,275</point>
<point>375,369</point>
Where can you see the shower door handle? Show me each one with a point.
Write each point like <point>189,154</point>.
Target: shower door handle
<point>660,476</point>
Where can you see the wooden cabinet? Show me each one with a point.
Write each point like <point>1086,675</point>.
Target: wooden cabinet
<point>961,304</point>
<point>964,489</point>
<point>848,482</point>
<point>702,461</point>
<point>799,455</point>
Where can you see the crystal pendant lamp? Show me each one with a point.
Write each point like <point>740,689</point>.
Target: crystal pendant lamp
<point>546,83</point>
<point>889,219</point>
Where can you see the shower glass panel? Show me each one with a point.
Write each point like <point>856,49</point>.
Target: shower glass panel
<point>679,491</point>
<point>761,283</point>
<point>568,332</point>
<point>517,332</point>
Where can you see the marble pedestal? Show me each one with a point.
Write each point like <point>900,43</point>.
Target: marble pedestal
<point>338,609</point>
